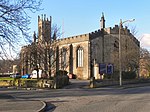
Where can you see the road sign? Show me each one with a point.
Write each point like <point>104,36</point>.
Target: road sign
<point>106,68</point>
<point>102,68</point>
<point>110,69</point>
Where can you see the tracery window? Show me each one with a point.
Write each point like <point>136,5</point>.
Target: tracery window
<point>80,57</point>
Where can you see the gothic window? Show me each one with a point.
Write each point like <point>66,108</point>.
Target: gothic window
<point>80,57</point>
<point>63,58</point>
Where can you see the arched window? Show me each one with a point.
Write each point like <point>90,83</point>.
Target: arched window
<point>63,58</point>
<point>80,57</point>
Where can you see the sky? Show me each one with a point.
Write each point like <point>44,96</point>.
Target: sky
<point>76,17</point>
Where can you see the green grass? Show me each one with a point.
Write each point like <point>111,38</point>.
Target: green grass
<point>27,79</point>
<point>8,78</point>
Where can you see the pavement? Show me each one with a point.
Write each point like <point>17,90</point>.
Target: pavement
<point>10,104</point>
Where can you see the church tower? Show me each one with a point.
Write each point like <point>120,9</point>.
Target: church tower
<point>102,21</point>
<point>44,29</point>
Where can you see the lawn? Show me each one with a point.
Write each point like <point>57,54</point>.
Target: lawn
<point>8,78</point>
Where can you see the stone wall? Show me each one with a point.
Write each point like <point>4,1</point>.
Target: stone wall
<point>57,82</point>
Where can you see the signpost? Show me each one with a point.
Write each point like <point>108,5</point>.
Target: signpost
<point>106,68</point>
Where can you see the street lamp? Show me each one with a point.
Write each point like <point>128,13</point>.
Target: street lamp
<point>120,66</point>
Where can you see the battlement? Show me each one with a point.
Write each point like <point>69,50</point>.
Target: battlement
<point>96,33</point>
<point>43,18</point>
<point>78,38</point>
<point>115,30</point>
<point>110,30</point>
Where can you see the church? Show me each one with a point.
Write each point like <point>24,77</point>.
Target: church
<point>84,55</point>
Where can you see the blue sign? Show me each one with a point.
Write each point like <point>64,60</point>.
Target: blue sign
<point>109,69</point>
<point>102,68</point>
<point>106,68</point>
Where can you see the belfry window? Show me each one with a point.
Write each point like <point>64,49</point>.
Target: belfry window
<point>80,57</point>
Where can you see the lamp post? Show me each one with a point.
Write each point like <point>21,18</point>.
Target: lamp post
<point>120,64</point>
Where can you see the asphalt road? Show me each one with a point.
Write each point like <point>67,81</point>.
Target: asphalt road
<point>8,103</point>
<point>77,97</point>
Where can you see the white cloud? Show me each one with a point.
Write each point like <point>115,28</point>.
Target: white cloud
<point>145,41</point>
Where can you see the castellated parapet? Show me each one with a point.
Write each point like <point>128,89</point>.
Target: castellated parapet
<point>43,18</point>
<point>115,30</point>
<point>97,33</point>
<point>80,38</point>
<point>73,39</point>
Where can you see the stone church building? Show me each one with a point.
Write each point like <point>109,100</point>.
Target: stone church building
<point>79,54</point>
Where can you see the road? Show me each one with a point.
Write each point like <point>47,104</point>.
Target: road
<point>79,98</point>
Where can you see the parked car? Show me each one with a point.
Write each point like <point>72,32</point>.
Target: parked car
<point>26,76</point>
<point>17,75</point>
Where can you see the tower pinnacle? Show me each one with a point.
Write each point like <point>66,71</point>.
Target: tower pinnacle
<point>102,21</point>
<point>34,37</point>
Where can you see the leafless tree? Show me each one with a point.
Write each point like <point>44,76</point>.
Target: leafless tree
<point>47,55</point>
<point>56,34</point>
<point>134,30</point>
<point>129,52</point>
<point>14,21</point>
<point>144,62</point>
<point>6,66</point>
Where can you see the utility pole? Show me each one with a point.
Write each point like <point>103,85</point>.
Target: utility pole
<point>120,51</point>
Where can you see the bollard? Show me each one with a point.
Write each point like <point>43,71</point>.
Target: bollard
<point>55,84</point>
<point>92,82</point>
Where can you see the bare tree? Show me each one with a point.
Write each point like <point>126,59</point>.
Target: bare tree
<point>129,52</point>
<point>46,54</point>
<point>14,22</point>
<point>144,63</point>
<point>134,30</point>
<point>55,32</point>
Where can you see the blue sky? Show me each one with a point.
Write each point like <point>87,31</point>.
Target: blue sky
<point>77,17</point>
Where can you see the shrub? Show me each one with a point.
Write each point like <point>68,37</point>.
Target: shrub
<point>61,73</point>
<point>128,75</point>
<point>107,76</point>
